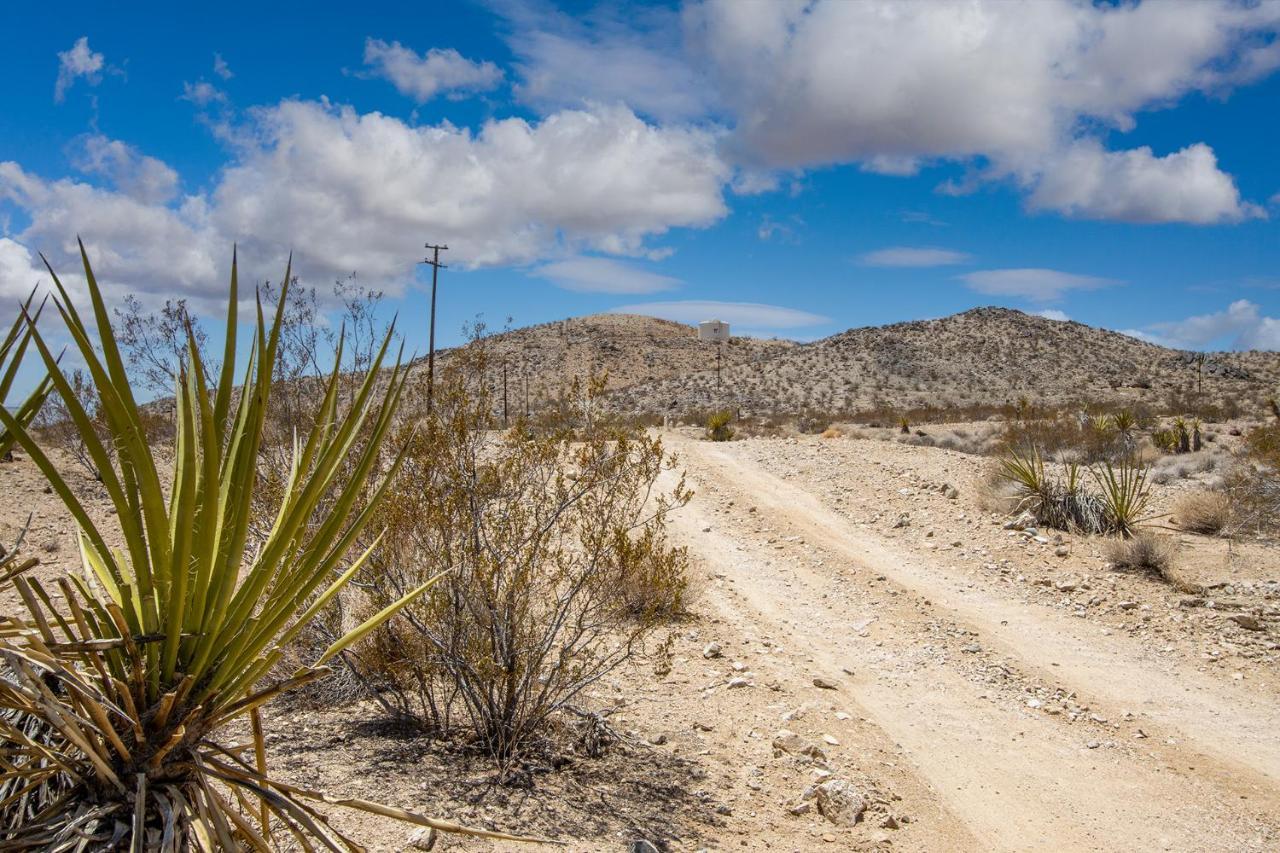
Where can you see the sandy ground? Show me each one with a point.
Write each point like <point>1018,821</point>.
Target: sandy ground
<point>973,688</point>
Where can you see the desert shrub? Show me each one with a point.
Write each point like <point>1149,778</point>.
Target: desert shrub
<point>1145,552</point>
<point>555,567</point>
<point>1203,512</point>
<point>718,428</point>
<point>1062,501</point>
<point>124,684</point>
<point>1253,483</point>
<point>832,432</point>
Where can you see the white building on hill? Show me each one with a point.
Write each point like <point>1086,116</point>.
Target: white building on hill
<point>713,330</point>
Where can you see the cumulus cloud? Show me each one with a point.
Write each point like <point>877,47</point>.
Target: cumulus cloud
<point>1089,182</point>
<point>18,272</point>
<point>603,275</point>
<point>361,192</point>
<point>752,314</point>
<point>1041,285</point>
<point>424,76</point>
<point>133,173</point>
<point>912,256</point>
<point>1052,314</point>
<point>1013,86</point>
<point>830,81</point>
<point>1241,323</point>
<point>78,61</point>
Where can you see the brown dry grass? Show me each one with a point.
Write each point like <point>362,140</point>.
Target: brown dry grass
<point>1203,512</point>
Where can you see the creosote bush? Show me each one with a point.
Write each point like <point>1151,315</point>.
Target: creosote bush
<point>555,565</point>
<point>117,688</point>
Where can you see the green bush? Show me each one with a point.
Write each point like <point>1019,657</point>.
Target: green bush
<point>718,428</point>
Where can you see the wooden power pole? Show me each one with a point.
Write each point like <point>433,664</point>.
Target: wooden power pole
<point>436,266</point>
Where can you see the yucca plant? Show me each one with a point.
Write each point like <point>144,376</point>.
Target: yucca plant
<point>1025,469</point>
<point>12,349</point>
<point>115,700</point>
<point>1124,493</point>
<point>1124,421</point>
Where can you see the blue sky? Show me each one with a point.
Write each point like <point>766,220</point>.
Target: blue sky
<point>797,169</point>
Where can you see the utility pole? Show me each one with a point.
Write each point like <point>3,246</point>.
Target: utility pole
<point>436,266</point>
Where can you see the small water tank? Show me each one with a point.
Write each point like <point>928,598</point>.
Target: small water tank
<point>713,330</point>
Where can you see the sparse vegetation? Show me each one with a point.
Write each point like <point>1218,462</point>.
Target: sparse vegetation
<point>124,684</point>
<point>553,564</point>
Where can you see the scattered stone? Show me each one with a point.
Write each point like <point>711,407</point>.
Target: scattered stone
<point>425,839</point>
<point>839,802</point>
<point>641,845</point>
<point>738,681</point>
<point>1062,551</point>
<point>830,741</point>
<point>824,684</point>
<point>1093,744</point>
<point>1244,620</point>
<point>712,650</point>
<point>904,520</point>
<point>658,740</point>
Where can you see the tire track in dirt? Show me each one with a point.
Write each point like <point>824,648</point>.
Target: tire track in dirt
<point>1017,779</point>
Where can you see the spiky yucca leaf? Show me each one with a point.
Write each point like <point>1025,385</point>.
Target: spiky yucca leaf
<point>12,349</point>
<point>1124,493</point>
<point>112,699</point>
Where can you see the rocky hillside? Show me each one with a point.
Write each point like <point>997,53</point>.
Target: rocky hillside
<point>985,356</point>
<point>631,349</point>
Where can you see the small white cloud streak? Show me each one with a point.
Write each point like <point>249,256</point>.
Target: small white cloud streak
<point>603,275</point>
<point>913,256</point>
<point>1041,285</point>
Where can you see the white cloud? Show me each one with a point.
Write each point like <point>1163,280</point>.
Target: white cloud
<point>752,314</point>
<point>78,61</point>
<point>422,77</point>
<point>221,68</point>
<point>1242,323</point>
<point>133,173</point>
<point>1012,88</point>
<point>1041,285</point>
<point>603,275</point>
<point>829,81</point>
<point>18,273</point>
<point>1052,314</point>
<point>563,61</point>
<point>202,94</point>
<point>361,192</point>
<point>137,246</point>
<point>1089,182</point>
<point>912,256</point>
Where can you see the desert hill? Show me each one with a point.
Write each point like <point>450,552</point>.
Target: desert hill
<point>984,356</point>
<point>631,349</point>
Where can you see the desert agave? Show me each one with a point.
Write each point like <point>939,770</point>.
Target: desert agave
<point>12,350</point>
<point>117,688</point>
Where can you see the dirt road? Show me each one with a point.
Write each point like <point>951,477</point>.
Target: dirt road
<point>1029,727</point>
